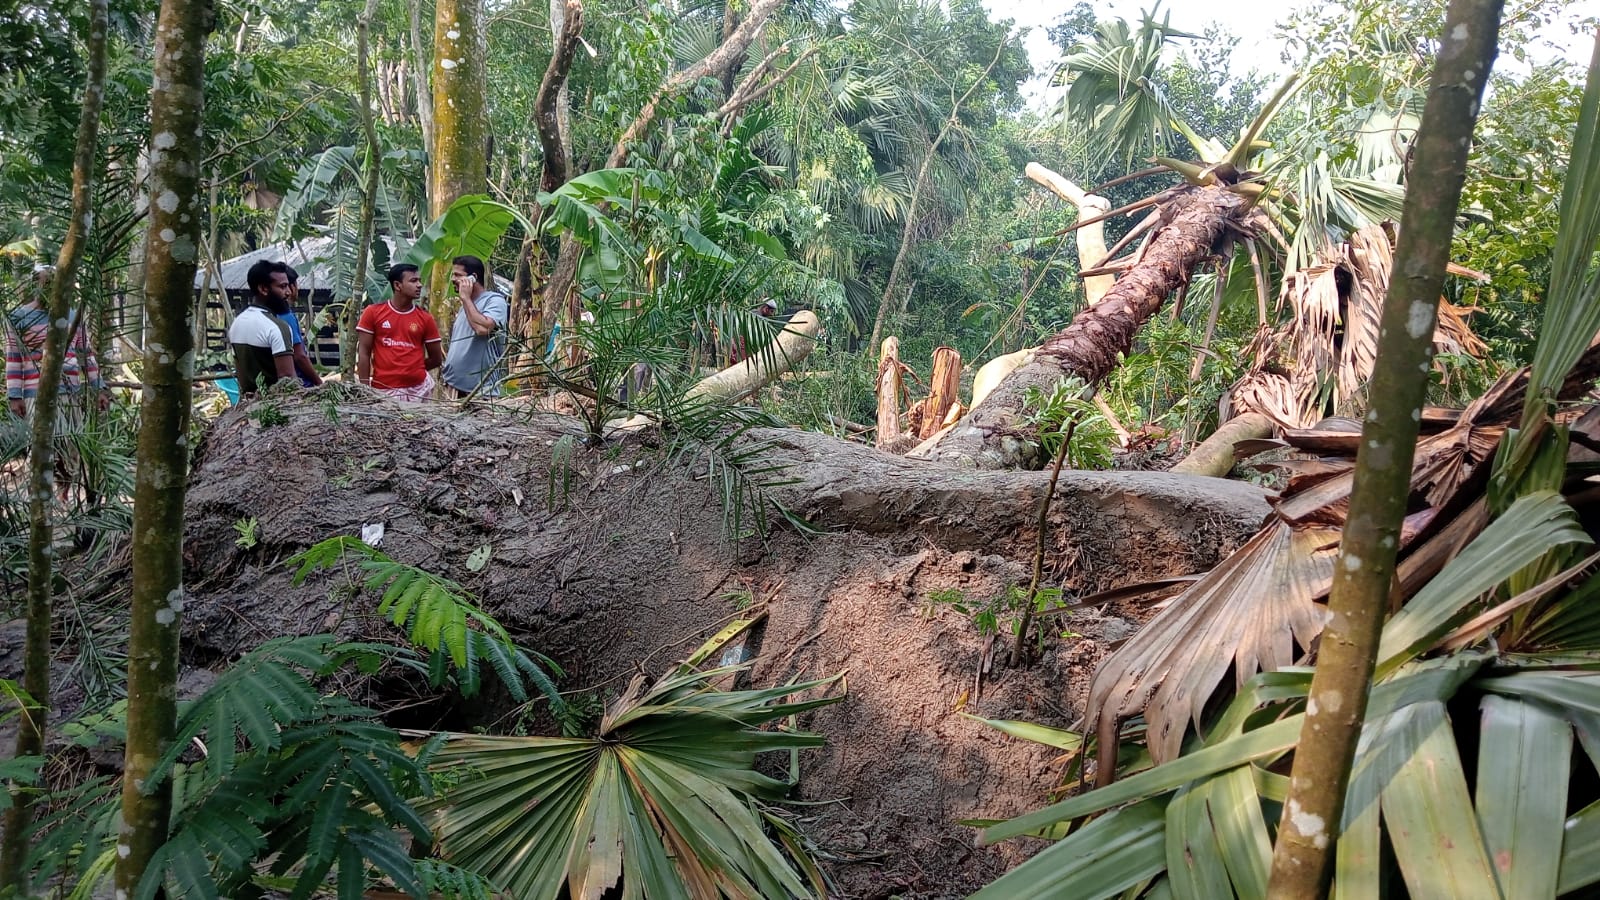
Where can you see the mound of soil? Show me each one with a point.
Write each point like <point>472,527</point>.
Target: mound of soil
<point>614,561</point>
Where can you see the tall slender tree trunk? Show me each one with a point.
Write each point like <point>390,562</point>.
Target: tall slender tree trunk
<point>459,162</point>
<point>1302,860</point>
<point>41,452</point>
<point>419,74</point>
<point>908,231</point>
<point>369,197</point>
<point>552,120</point>
<point>994,434</point>
<point>177,99</point>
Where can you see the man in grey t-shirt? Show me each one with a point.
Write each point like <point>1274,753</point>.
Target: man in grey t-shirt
<point>478,334</point>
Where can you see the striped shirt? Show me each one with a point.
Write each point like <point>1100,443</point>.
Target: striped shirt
<point>26,329</point>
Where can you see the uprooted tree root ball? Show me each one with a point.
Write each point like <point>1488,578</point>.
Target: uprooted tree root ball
<point>608,560</point>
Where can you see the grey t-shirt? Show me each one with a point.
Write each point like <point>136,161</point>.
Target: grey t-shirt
<point>473,357</point>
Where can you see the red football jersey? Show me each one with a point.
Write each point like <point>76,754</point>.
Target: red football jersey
<point>399,342</point>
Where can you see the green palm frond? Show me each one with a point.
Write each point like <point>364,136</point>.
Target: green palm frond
<point>437,615</point>
<point>662,802</point>
<point>1112,89</point>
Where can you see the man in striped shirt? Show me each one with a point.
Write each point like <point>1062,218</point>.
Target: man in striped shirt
<point>26,328</point>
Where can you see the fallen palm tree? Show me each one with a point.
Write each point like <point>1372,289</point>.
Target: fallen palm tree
<point>1485,659</point>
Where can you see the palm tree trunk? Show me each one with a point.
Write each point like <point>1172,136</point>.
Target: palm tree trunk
<point>41,458</point>
<point>458,164</point>
<point>994,434</point>
<point>369,197</point>
<point>176,106</point>
<point>1302,860</point>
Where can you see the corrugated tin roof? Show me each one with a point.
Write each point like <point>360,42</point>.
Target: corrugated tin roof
<point>311,258</point>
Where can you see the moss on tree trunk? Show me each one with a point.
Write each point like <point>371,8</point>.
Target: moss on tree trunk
<point>458,160</point>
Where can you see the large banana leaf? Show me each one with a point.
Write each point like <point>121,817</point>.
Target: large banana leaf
<point>663,802</point>
<point>472,226</point>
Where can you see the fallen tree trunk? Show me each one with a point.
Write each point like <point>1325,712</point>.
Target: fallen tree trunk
<point>1214,455</point>
<point>615,560</point>
<point>743,378</point>
<point>996,435</point>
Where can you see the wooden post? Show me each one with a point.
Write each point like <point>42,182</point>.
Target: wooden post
<point>943,393</point>
<point>889,390</point>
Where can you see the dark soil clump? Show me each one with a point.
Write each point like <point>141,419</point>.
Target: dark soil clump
<point>614,562</point>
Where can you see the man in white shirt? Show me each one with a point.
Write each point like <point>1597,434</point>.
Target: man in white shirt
<point>263,350</point>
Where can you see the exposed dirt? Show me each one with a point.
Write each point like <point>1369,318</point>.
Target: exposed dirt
<point>625,570</point>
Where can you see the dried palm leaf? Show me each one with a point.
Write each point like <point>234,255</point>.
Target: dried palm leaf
<point>1174,667</point>
<point>1261,602</point>
<point>1324,354</point>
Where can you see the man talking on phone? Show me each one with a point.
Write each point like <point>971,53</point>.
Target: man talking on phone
<point>475,361</point>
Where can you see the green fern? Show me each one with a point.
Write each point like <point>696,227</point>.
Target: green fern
<point>437,615</point>
<point>293,790</point>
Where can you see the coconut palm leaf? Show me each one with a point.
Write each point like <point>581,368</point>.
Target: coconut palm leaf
<point>662,802</point>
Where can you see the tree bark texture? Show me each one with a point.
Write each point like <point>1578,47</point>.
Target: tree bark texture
<point>41,452</point>
<point>458,162</point>
<point>419,74</point>
<point>943,393</point>
<point>555,141</point>
<point>993,435</point>
<point>890,387</point>
<point>369,196</point>
<point>1302,860</point>
<point>549,106</point>
<point>1091,238</point>
<point>177,99</point>
<point>1214,455</point>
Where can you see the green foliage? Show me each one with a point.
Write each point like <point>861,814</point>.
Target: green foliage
<point>663,798</point>
<point>472,226</point>
<point>438,615</point>
<point>19,773</point>
<point>247,529</point>
<point>1002,614</point>
<point>1065,412</point>
<point>293,787</point>
<point>267,414</point>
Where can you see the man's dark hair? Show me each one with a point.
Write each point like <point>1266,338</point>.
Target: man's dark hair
<point>260,275</point>
<point>397,272</point>
<point>472,266</point>
<point>294,277</point>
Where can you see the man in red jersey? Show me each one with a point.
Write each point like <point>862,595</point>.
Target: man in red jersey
<point>398,342</point>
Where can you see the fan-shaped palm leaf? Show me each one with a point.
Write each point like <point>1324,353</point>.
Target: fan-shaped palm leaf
<point>662,802</point>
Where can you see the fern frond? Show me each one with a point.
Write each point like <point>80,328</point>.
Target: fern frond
<point>436,614</point>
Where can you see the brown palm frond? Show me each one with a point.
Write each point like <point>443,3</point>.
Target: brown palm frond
<point>1324,354</point>
<point>1253,609</point>
<point>1173,668</point>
